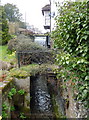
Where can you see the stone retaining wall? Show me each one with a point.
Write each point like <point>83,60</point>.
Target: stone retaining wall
<point>20,101</point>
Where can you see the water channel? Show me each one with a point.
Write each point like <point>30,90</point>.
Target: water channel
<point>41,106</point>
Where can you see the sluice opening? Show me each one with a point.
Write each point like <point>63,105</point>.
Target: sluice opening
<point>41,105</point>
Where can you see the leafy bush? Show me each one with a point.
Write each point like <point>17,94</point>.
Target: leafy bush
<point>4,115</point>
<point>72,38</point>
<point>12,44</point>
<point>27,45</point>
<point>34,52</point>
<point>15,42</point>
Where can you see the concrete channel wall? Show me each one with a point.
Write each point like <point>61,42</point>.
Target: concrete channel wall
<point>22,102</point>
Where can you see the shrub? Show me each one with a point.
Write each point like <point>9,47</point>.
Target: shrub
<point>12,44</point>
<point>26,45</point>
<point>4,34</point>
<point>31,52</point>
<point>35,53</point>
<point>15,42</point>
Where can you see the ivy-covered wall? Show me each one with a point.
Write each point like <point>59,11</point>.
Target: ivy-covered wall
<point>71,38</point>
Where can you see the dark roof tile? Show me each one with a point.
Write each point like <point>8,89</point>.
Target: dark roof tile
<point>46,8</point>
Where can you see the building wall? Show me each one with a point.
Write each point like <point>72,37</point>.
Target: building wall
<point>47,18</point>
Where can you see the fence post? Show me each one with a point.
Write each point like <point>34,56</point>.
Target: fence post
<point>18,57</point>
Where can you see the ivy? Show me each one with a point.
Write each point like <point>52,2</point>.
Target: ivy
<point>12,93</point>
<point>71,37</point>
<point>21,92</point>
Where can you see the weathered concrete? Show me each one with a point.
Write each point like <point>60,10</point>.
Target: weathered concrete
<point>64,99</point>
<point>58,103</point>
<point>23,83</point>
<point>5,65</point>
<point>21,101</point>
<point>73,108</point>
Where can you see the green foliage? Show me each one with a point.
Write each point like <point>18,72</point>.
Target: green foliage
<point>4,106</point>
<point>37,53</point>
<point>12,12</point>
<point>12,108</point>
<point>22,24</point>
<point>27,45</point>
<point>4,109</point>
<point>19,73</point>
<point>21,92</point>
<point>20,41</point>
<point>6,55</point>
<point>11,93</point>
<point>4,114</point>
<point>72,38</point>
<point>22,116</point>
<point>4,33</point>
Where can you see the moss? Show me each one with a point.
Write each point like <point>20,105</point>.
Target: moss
<point>18,73</point>
<point>26,110</point>
<point>34,69</point>
<point>56,108</point>
<point>30,70</point>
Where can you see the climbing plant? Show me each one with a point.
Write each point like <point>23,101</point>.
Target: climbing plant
<point>71,37</point>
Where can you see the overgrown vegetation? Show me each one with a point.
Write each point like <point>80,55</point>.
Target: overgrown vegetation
<point>14,91</point>
<point>7,55</point>
<point>21,41</point>
<point>24,43</point>
<point>71,37</point>
<point>30,70</point>
<point>31,52</point>
<point>4,110</point>
<point>4,33</point>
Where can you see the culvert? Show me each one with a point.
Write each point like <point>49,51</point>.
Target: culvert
<point>40,104</point>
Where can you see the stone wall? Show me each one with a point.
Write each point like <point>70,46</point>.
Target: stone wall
<point>21,102</point>
<point>73,107</point>
<point>64,99</point>
<point>57,100</point>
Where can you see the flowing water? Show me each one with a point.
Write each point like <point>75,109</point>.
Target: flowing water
<point>41,101</point>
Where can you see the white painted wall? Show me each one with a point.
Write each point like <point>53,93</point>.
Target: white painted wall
<point>47,18</point>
